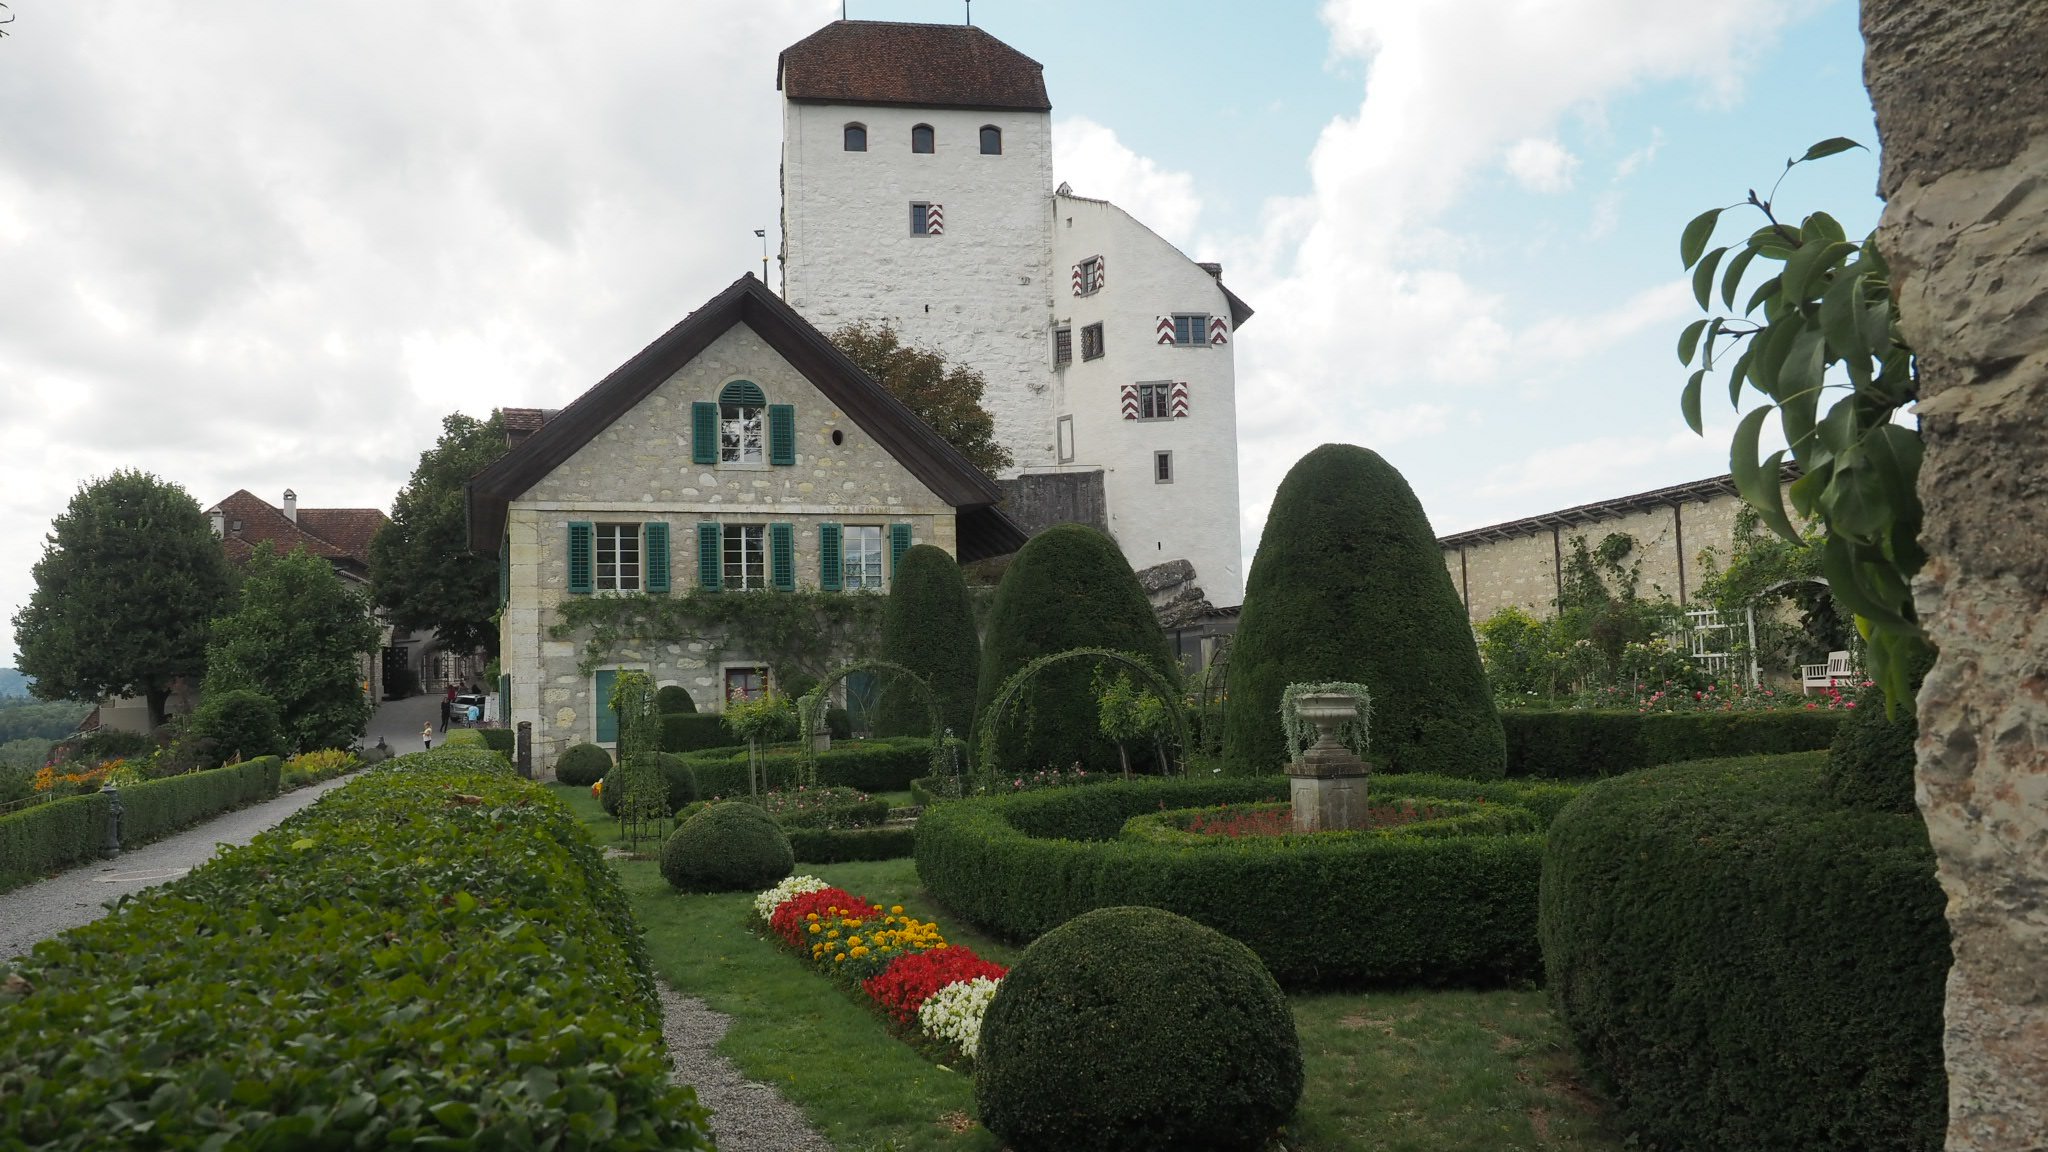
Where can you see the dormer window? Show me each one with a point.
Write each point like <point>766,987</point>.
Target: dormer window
<point>740,408</point>
<point>856,137</point>
<point>923,140</point>
<point>991,140</point>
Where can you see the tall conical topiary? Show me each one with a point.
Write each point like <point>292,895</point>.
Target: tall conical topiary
<point>1349,584</point>
<point>928,627</point>
<point>1069,587</point>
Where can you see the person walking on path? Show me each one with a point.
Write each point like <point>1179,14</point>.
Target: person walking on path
<point>427,737</point>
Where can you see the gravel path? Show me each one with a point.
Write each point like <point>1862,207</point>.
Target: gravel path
<point>746,1115</point>
<point>47,907</point>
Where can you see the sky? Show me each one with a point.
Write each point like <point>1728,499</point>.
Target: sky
<point>246,244</point>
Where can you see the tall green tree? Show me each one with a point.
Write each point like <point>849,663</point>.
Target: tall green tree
<point>130,577</point>
<point>298,637</point>
<point>421,567</point>
<point>947,397</point>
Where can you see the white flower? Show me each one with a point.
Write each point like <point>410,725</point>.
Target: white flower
<point>954,1012</point>
<point>767,902</point>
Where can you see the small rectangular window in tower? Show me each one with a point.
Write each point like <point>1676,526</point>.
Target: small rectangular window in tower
<point>1065,429</point>
<point>1191,329</point>
<point>1162,467</point>
<point>927,218</point>
<point>1091,342</point>
<point>1155,401</point>
<point>1062,346</point>
<point>1088,276</point>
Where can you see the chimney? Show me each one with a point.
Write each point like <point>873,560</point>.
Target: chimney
<point>291,506</point>
<point>220,521</point>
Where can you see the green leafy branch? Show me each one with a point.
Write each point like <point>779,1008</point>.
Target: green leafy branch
<point>798,633</point>
<point>1827,306</point>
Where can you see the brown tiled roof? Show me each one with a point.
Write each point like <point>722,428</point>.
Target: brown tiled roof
<point>930,65</point>
<point>341,535</point>
<point>523,419</point>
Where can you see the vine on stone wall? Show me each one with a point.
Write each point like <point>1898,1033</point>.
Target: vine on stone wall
<point>798,634</point>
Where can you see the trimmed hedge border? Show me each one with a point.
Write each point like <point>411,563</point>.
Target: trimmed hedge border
<point>1587,744</point>
<point>885,765</point>
<point>1381,909</point>
<point>1748,963</point>
<point>298,991</point>
<point>693,731</point>
<point>56,835</point>
<point>841,845</point>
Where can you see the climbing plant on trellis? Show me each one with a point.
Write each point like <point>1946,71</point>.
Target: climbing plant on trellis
<point>811,713</point>
<point>643,797</point>
<point>1008,695</point>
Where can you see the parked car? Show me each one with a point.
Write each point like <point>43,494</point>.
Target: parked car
<point>463,703</point>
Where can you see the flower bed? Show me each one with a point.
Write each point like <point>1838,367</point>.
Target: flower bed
<point>901,964</point>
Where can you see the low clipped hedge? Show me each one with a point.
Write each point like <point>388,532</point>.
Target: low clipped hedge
<point>1748,963</point>
<point>693,731</point>
<point>304,990</point>
<point>1383,908</point>
<point>503,741</point>
<point>1586,744</point>
<point>887,765</point>
<point>40,840</point>
<point>840,845</point>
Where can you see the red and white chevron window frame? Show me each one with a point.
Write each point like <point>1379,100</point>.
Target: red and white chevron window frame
<point>1130,401</point>
<point>1165,329</point>
<point>1179,399</point>
<point>1219,330</point>
<point>935,220</point>
<point>1089,275</point>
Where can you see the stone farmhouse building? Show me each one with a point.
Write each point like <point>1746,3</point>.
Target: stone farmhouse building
<point>740,453</point>
<point>918,191</point>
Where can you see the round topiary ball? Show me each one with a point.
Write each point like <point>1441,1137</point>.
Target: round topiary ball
<point>673,698</point>
<point>1136,1028</point>
<point>583,764</point>
<point>730,847</point>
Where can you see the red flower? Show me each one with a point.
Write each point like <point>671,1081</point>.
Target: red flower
<point>909,980</point>
<point>794,913</point>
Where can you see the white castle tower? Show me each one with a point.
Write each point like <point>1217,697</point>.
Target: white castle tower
<point>917,190</point>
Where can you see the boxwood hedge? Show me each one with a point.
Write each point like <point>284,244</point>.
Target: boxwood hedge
<point>1346,909</point>
<point>839,845</point>
<point>431,955</point>
<point>1577,745</point>
<point>48,837</point>
<point>1748,963</point>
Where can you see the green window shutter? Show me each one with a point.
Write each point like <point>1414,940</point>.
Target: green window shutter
<point>899,543</point>
<point>582,550</point>
<point>782,433</point>
<point>505,701</point>
<point>655,535</point>
<point>505,571</point>
<point>607,720</point>
<point>831,562</point>
<point>782,557</point>
<point>709,562</point>
<point>704,432</point>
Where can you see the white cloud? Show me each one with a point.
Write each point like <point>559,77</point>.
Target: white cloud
<point>1541,165</point>
<point>1091,158</point>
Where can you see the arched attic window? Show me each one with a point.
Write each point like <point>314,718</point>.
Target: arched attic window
<point>922,139</point>
<point>991,140</point>
<point>741,405</point>
<point>856,137</point>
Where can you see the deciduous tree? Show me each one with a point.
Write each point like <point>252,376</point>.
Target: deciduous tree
<point>421,568</point>
<point>947,397</point>
<point>130,577</point>
<point>297,636</point>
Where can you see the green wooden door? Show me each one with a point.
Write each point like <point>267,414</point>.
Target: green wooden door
<point>607,720</point>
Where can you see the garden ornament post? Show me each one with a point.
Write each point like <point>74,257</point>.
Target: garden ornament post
<point>1327,780</point>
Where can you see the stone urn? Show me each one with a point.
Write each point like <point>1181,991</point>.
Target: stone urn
<point>1328,783</point>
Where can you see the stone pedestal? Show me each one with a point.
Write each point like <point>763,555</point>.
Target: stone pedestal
<point>1328,791</point>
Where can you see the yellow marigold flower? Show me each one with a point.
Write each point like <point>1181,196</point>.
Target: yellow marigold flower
<point>853,939</point>
<point>896,908</point>
<point>815,929</point>
<point>839,959</point>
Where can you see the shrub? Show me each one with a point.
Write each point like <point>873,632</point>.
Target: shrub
<point>316,970</point>
<point>728,847</point>
<point>1870,764</point>
<point>1319,910</point>
<point>693,731</point>
<point>1576,744</point>
<point>1069,587</point>
<point>673,700</point>
<point>1136,1028</point>
<point>471,738</point>
<point>238,725</point>
<point>866,765</point>
<point>503,741</point>
<point>106,744</point>
<point>839,722</point>
<point>928,627</point>
<point>1348,584</point>
<point>313,767</point>
<point>583,764</point>
<point>840,845</point>
<point>1747,963</point>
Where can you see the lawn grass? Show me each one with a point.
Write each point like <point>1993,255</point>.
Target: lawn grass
<point>1439,1071</point>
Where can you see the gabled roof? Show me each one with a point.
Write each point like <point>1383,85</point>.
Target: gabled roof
<point>340,535</point>
<point>983,530</point>
<point>925,65</point>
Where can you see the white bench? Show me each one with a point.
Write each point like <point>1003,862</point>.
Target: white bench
<point>1835,672</point>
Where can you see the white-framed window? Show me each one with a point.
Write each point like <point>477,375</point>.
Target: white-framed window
<point>1062,345</point>
<point>1162,467</point>
<point>856,138</point>
<point>1092,346</point>
<point>746,556</point>
<point>1091,276</point>
<point>860,549</point>
<point>923,140</point>
<point>991,140</point>
<point>618,558</point>
<point>740,433</point>
<point>1155,401</point>
<point>1191,329</point>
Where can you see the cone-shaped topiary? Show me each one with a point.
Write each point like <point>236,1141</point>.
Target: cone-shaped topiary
<point>673,698</point>
<point>729,847</point>
<point>583,764</point>
<point>1136,1028</point>
<point>928,627</point>
<point>1870,764</point>
<point>1069,587</point>
<point>1349,584</point>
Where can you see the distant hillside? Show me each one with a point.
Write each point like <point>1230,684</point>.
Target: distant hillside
<point>13,683</point>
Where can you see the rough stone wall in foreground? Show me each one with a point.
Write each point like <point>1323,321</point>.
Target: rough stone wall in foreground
<point>1961,93</point>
